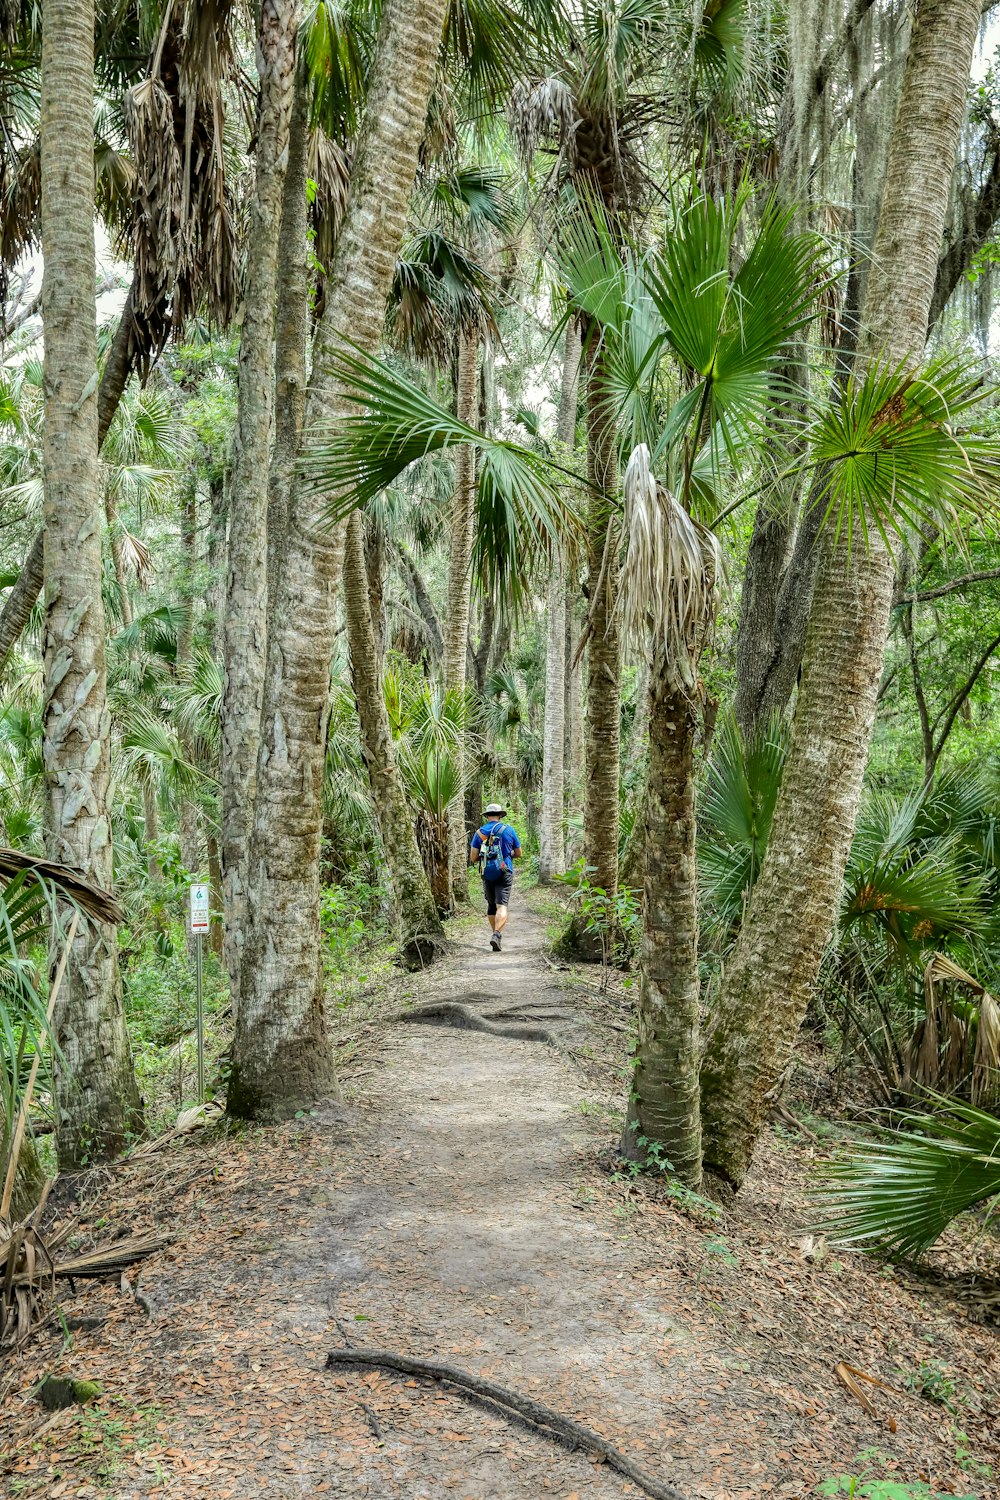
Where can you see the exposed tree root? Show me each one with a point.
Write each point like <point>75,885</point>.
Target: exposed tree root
<point>453,1013</point>
<point>514,1407</point>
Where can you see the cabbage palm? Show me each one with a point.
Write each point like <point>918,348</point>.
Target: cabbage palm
<point>161,189</point>
<point>281,1055</point>
<point>692,332</point>
<point>899,1192</point>
<point>421,937</point>
<point>443,295</point>
<point>595,104</point>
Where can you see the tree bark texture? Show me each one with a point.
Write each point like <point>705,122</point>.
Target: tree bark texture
<point>421,935</point>
<point>291,332</point>
<point>794,903</point>
<point>552,852</point>
<point>664,1103</point>
<point>97,1101</point>
<point>281,1056</point>
<point>604,691</point>
<point>245,619</point>
<point>456,645</point>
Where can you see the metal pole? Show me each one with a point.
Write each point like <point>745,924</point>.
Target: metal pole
<point>201,1023</point>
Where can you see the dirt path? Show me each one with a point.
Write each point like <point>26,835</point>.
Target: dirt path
<point>454,1209</point>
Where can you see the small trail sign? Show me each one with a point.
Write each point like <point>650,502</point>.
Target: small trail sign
<point>199,908</point>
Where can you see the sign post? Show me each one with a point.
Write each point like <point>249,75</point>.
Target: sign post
<point>199,926</point>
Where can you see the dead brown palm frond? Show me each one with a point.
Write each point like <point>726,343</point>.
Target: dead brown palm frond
<point>670,572</point>
<point>329,168</point>
<point>20,209</point>
<point>90,898</point>
<point>542,112</point>
<point>181,231</point>
<point>138,557</point>
<point>956,1046</point>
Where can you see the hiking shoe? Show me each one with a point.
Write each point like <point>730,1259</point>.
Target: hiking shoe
<point>495,942</point>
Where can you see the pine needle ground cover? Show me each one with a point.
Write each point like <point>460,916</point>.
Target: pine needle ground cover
<point>460,1205</point>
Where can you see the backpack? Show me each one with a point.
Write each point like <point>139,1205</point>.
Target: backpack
<point>491,864</point>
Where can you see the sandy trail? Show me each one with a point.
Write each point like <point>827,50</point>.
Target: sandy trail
<point>453,1209</point>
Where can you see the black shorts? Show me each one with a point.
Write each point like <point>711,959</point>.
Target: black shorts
<point>497,892</point>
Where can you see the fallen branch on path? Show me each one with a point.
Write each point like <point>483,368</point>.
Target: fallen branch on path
<point>514,1407</point>
<point>453,1013</point>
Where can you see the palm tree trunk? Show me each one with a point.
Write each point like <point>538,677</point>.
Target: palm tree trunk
<point>97,1102</point>
<point>421,935</point>
<point>573,743</point>
<point>151,820</point>
<point>552,851</point>
<point>291,334</point>
<point>603,729</point>
<point>456,645</point>
<point>281,1056</point>
<point>245,620</point>
<point>663,1102</point>
<point>774,966</point>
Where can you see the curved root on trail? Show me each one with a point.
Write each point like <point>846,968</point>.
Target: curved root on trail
<point>453,1013</point>
<point>514,1407</point>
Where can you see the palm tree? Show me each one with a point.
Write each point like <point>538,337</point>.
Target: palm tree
<point>691,334</point>
<point>280,1051</point>
<point>771,972</point>
<point>552,846</point>
<point>619,77</point>
<point>421,935</point>
<point>444,296</point>
<point>168,203</point>
<point>98,1101</point>
<point>245,619</point>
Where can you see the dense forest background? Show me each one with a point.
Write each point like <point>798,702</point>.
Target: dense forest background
<point>589,407</point>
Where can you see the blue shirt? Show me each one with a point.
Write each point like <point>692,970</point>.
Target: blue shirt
<point>509,840</point>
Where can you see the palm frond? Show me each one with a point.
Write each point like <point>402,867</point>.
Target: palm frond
<point>526,501</point>
<point>897,458</point>
<point>900,1192</point>
<point>670,572</point>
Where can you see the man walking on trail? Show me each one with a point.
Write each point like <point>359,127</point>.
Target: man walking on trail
<point>495,847</point>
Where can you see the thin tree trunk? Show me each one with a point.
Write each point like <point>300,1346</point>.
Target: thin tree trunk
<point>663,1103</point>
<point>97,1102</point>
<point>604,696</point>
<point>780,576</point>
<point>926,733</point>
<point>23,596</point>
<point>118,559</point>
<point>190,841</point>
<point>374,545</point>
<point>215,883</point>
<point>774,966</point>
<point>573,752</point>
<point>217,552</point>
<point>281,1056</point>
<point>552,853</point>
<point>151,820</point>
<point>456,644</point>
<point>245,622</point>
<point>421,935</point>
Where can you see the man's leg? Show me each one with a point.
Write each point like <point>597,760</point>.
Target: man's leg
<point>489,891</point>
<point>502,896</point>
